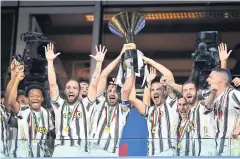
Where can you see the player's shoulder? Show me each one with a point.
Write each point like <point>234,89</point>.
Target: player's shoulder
<point>2,108</point>
<point>44,110</point>
<point>151,108</point>
<point>25,108</point>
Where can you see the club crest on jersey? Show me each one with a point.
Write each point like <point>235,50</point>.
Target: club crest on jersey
<point>79,115</point>
<point>42,130</point>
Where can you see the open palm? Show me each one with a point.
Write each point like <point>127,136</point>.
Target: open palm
<point>152,74</point>
<point>223,54</point>
<point>49,52</point>
<point>101,51</point>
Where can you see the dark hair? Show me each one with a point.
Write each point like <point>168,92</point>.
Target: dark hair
<point>83,80</point>
<point>34,86</point>
<point>190,82</point>
<point>118,88</point>
<point>74,79</point>
<point>21,92</point>
<point>179,96</point>
<point>156,80</point>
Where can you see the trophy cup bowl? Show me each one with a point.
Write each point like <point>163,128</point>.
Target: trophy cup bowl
<point>127,25</point>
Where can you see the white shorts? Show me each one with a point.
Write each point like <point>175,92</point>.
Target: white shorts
<point>69,151</point>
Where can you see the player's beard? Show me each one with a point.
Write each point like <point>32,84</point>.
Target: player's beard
<point>75,99</point>
<point>115,104</point>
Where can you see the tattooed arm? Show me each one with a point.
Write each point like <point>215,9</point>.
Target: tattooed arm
<point>99,57</point>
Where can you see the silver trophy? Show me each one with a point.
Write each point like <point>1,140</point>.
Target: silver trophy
<point>127,25</point>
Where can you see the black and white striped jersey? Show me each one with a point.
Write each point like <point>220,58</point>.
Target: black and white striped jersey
<point>32,131</point>
<point>71,122</point>
<point>226,116</point>
<point>161,122</point>
<point>108,123</point>
<point>4,129</point>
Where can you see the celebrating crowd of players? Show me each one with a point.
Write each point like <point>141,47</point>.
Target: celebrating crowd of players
<point>89,118</point>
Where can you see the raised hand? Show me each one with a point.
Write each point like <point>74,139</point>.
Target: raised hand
<point>223,54</point>
<point>99,57</point>
<point>128,46</point>
<point>49,52</point>
<point>152,74</point>
<point>236,81</point>
<point>16,67</point>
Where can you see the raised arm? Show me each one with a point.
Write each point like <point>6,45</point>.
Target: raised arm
<point>105,73</point>
<point>50,56</point>
<point>14,67</point>
<point>99,57</point>
<point>146,95</point>
<point>223,55</point>
<point>171,83</point>
<point>163,70</point>
<point>138,104</point>
<point>12,96</point>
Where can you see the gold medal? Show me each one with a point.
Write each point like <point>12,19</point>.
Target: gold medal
<point>179,145</point>
<point>107,129</point>
<point>66,129</point>
<point>154,130</point>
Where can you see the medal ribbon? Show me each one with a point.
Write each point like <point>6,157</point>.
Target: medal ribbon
<point>71,114</point>
<point>183,131</point>
<point>156,115</point>
<point>35,123</point>
<point>194,111</point>
<point>110,115</point>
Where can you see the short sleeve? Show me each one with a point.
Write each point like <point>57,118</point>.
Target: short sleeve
<point>146,111</point>
<point>23,113</point>
<point>4,113</point>
<point>87,103</point>
<point>234,97</point>
<point>100,98</point>
<point>57,103</point>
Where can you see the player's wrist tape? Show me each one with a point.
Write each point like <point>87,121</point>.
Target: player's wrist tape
<point>125,102</point>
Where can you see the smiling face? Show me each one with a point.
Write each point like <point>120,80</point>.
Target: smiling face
<point>72,91</point>
<point>112,95</point>
<point>183,108</point>
<point>35,98</point>
<point>190,93</point>
<point>157,93</point>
